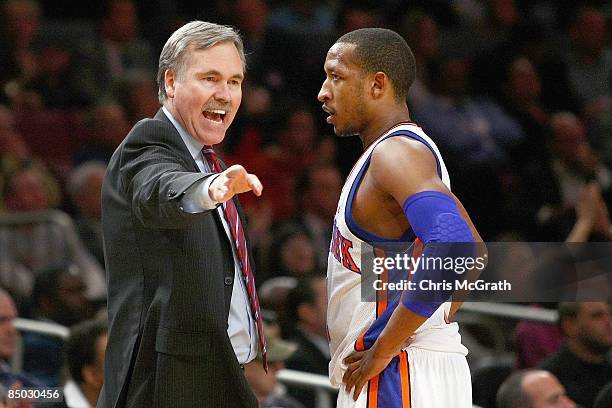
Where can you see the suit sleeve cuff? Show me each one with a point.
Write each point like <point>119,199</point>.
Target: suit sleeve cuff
<point>196,198</point>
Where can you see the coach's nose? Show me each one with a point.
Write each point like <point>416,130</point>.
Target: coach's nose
<point>223,92</point>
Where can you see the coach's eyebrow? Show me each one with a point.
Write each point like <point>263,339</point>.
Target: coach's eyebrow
<point>214,72</point>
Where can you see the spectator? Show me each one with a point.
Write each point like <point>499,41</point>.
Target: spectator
<point>28,187</point>
<point>299,30</point>
<point>58,297</point>
<point>108,126</point>
<point>12,145</point>
<point>85,189</point>
<point>360,14</point>
<point>118,51</point>
<point>484,25</point>
<point>581,365</point>
<point>303,17</point>
<point>8,346</point>
<point>85,351</point>
<point>274,297</point>
<point>292,253</point>
<point>589,61</point>
<point>553,188</point>
<point>521,92</point>
<point>281,163</point>
<point>55,78</point>
<point>269,391</point>
<point>521,95</point>
<point>592,216</point>
<point>138,97</point>
<point>21,21</point>
<point>477,130</point>
<point>307,311</point>
<point>251,18</point>
<point>34,247</point>
<point>532,389</point>
<point>604,398</point>
<point>574,160</point>
<point>317,193</point>
<point>535,341</point>
<point>477,135</point>
<point>421,32</point>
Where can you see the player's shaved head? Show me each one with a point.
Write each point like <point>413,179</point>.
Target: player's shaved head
<point>382,50</point>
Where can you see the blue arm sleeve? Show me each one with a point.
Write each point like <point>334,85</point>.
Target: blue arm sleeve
<point>448,240</point>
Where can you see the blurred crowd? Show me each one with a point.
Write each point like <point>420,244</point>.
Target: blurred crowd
<point>517,95</point>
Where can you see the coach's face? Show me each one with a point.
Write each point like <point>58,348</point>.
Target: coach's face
<point>205,94</point>
<point>343,90</point>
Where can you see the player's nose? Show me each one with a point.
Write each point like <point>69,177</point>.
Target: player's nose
<point>324,94</point>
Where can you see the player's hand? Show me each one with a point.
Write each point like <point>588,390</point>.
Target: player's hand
<point>361,367</point>
<point>234,180</point>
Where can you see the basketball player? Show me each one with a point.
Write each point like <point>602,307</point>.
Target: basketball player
<point>397,351</point>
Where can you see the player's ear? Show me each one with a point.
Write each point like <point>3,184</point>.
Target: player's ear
<point>169,79</point>
<point>379,83</point>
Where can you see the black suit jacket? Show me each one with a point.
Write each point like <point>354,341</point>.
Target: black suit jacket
<point>170,275</point>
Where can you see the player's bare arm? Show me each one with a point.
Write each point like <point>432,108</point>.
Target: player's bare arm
<point>400,168</point>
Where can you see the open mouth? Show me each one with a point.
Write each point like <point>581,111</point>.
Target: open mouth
<point>215,115</point>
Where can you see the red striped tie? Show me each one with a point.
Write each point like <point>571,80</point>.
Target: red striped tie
<point>231,215</point>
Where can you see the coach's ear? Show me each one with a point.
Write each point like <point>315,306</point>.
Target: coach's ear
<point>169,78</point>
<point>379,83</point>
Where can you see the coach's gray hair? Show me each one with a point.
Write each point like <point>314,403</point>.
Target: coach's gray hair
<point>195,35</point>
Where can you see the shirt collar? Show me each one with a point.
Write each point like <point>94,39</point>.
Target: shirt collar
<point>74,397</point>
<point>192,144</point>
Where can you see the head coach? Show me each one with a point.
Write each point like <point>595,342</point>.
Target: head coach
<point>183,312</point>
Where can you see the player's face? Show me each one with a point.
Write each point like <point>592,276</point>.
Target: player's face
<point>204,97</point>
<point>343,90</point>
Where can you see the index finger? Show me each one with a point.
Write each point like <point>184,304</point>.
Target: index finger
<point>255,184</point>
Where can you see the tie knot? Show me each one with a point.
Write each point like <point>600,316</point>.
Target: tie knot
<point>211,158</point>
<point>208,151</point>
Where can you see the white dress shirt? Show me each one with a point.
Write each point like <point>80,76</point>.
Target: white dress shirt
<point>74,397</point>
<point>241,328</point>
